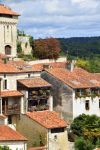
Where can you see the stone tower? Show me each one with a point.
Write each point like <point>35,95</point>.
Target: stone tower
<point>8,31</point>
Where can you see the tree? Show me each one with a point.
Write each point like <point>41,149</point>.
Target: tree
<point>82,144</point>
<point>4,148</point>
<point>87,127</point>
<point>19,48</point>
<point>46,48</point>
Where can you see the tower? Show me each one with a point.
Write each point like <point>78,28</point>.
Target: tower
<point>8,31</point>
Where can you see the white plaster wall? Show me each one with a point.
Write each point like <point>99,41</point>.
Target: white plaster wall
<point>61,143</point>
<point>12,79</point>
<point>61,59</point>
<point>79,106</point>
<point>2,121</point>
<point>9,36</point>
<point>15,145</point>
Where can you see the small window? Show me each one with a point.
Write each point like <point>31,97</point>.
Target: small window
<point>9,120</point>
<point>87,104</point>
<point>99,103</point>
<point>8,50</point>
<point>4,75</point>
<point>5,84</point>
<point>29,75</point>
<point>57,130</point>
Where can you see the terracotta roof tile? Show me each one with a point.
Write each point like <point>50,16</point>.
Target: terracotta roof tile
<point>7,10</point>
<point>34,82</point>
<point>39,67</point>
<point>6,68</point>
<point>15,67</point>
<point>10,93</point>
<point>48,119</point>
<point>78,78</point>
<point>8,134</point>
<point>38,148</point>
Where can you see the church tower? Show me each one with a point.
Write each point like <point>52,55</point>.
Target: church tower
<point>8,31</point>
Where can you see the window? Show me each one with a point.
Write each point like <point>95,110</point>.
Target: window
<point>87,104</point>
<point>8,50</point>
<point>4,75</point>
<point>29,75</point>
<point>9,120</point>
<point>99,103</point>
<point>5,84</point>
<point>57,130</point>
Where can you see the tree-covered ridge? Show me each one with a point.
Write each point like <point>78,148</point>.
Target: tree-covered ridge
<point>81,46</point>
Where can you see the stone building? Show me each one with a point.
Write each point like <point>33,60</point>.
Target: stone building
<point>44,128</point>
<point>25,44</point>
<point>75,91</point>
<point>8,31</point>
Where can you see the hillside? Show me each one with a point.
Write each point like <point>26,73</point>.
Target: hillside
<point>81,46</point>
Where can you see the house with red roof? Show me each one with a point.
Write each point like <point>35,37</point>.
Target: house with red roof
<point>44,129</point>
<point>8,31</point>
<point>11,138</point>
<point>22,90</point>
<point>75,91</point>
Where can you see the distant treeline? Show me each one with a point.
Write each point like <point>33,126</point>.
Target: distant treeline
<point>83,47</point>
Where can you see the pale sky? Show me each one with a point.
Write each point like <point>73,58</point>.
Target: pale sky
<point>57,18</point>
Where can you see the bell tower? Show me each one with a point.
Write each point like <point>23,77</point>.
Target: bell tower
<point>8,31</point>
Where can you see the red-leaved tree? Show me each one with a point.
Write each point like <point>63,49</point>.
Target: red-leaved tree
<point>46,48</point>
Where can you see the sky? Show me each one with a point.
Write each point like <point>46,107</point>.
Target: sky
<point>57,18</point>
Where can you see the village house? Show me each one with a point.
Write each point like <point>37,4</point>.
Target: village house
<point>75,91</point>
<point>8,30</point>
<point>22,89</point>
<point>44,128</point>
<point>11,138</point>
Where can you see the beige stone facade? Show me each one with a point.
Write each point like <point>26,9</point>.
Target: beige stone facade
<point>8,34</point>
<point>32,129</point>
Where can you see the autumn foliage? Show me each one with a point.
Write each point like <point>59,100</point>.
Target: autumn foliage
<point>46,48</point>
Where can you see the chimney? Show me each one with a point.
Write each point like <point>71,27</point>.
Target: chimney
<point>71,65</point>
<point>46,66</point>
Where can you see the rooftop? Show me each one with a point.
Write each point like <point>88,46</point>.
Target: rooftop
<point>48,119</point>
<point>78,78</point>
<point>34,82</point>
<point>40,67</point>
<point>38,148</point>
<point>8,134</point>
<point>7,11</point>
<point>10,93</point>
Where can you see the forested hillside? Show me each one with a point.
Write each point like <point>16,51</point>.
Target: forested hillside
<point>85,49</point>
<point>81,46</point>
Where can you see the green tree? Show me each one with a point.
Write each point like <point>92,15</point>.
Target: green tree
<point>87,127</point>
<point>83,144</point>
<point>19,48</point>
<point>4,148</point>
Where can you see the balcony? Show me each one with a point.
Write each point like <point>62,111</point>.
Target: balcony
<point>38,108</point>
<point>11,109</point>
<point>87,93</point>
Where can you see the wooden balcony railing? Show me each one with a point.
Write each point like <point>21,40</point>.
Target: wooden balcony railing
<point>11,109</point>
<point>38,108</point>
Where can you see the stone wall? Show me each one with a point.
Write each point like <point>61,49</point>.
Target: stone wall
<point>62,96</point>
<point>31,130</point>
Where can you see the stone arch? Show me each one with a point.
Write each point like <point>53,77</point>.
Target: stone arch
<point>7,50</point>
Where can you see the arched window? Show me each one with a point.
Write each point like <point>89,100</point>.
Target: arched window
<point>8,50</point>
